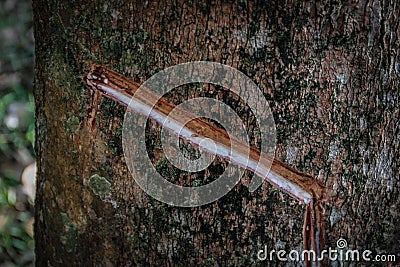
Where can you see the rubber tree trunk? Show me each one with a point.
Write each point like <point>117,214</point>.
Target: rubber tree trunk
<point>330,72</point>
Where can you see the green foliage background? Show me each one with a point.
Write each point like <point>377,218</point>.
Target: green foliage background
<point>16,131</point>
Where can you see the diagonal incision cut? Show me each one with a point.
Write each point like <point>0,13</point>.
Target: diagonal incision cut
<point>301,186</point>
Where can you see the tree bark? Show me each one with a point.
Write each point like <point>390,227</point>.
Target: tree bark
<point>330,72</point>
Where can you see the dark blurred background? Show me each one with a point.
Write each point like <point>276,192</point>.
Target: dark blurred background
<point>17,162</point>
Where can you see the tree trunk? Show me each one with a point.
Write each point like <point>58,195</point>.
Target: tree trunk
<point>330,72</point>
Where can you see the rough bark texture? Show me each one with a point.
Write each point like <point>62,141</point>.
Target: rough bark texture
<point>330,72</point>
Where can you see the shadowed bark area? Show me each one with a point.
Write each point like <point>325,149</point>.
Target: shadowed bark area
<point>329,71</point>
